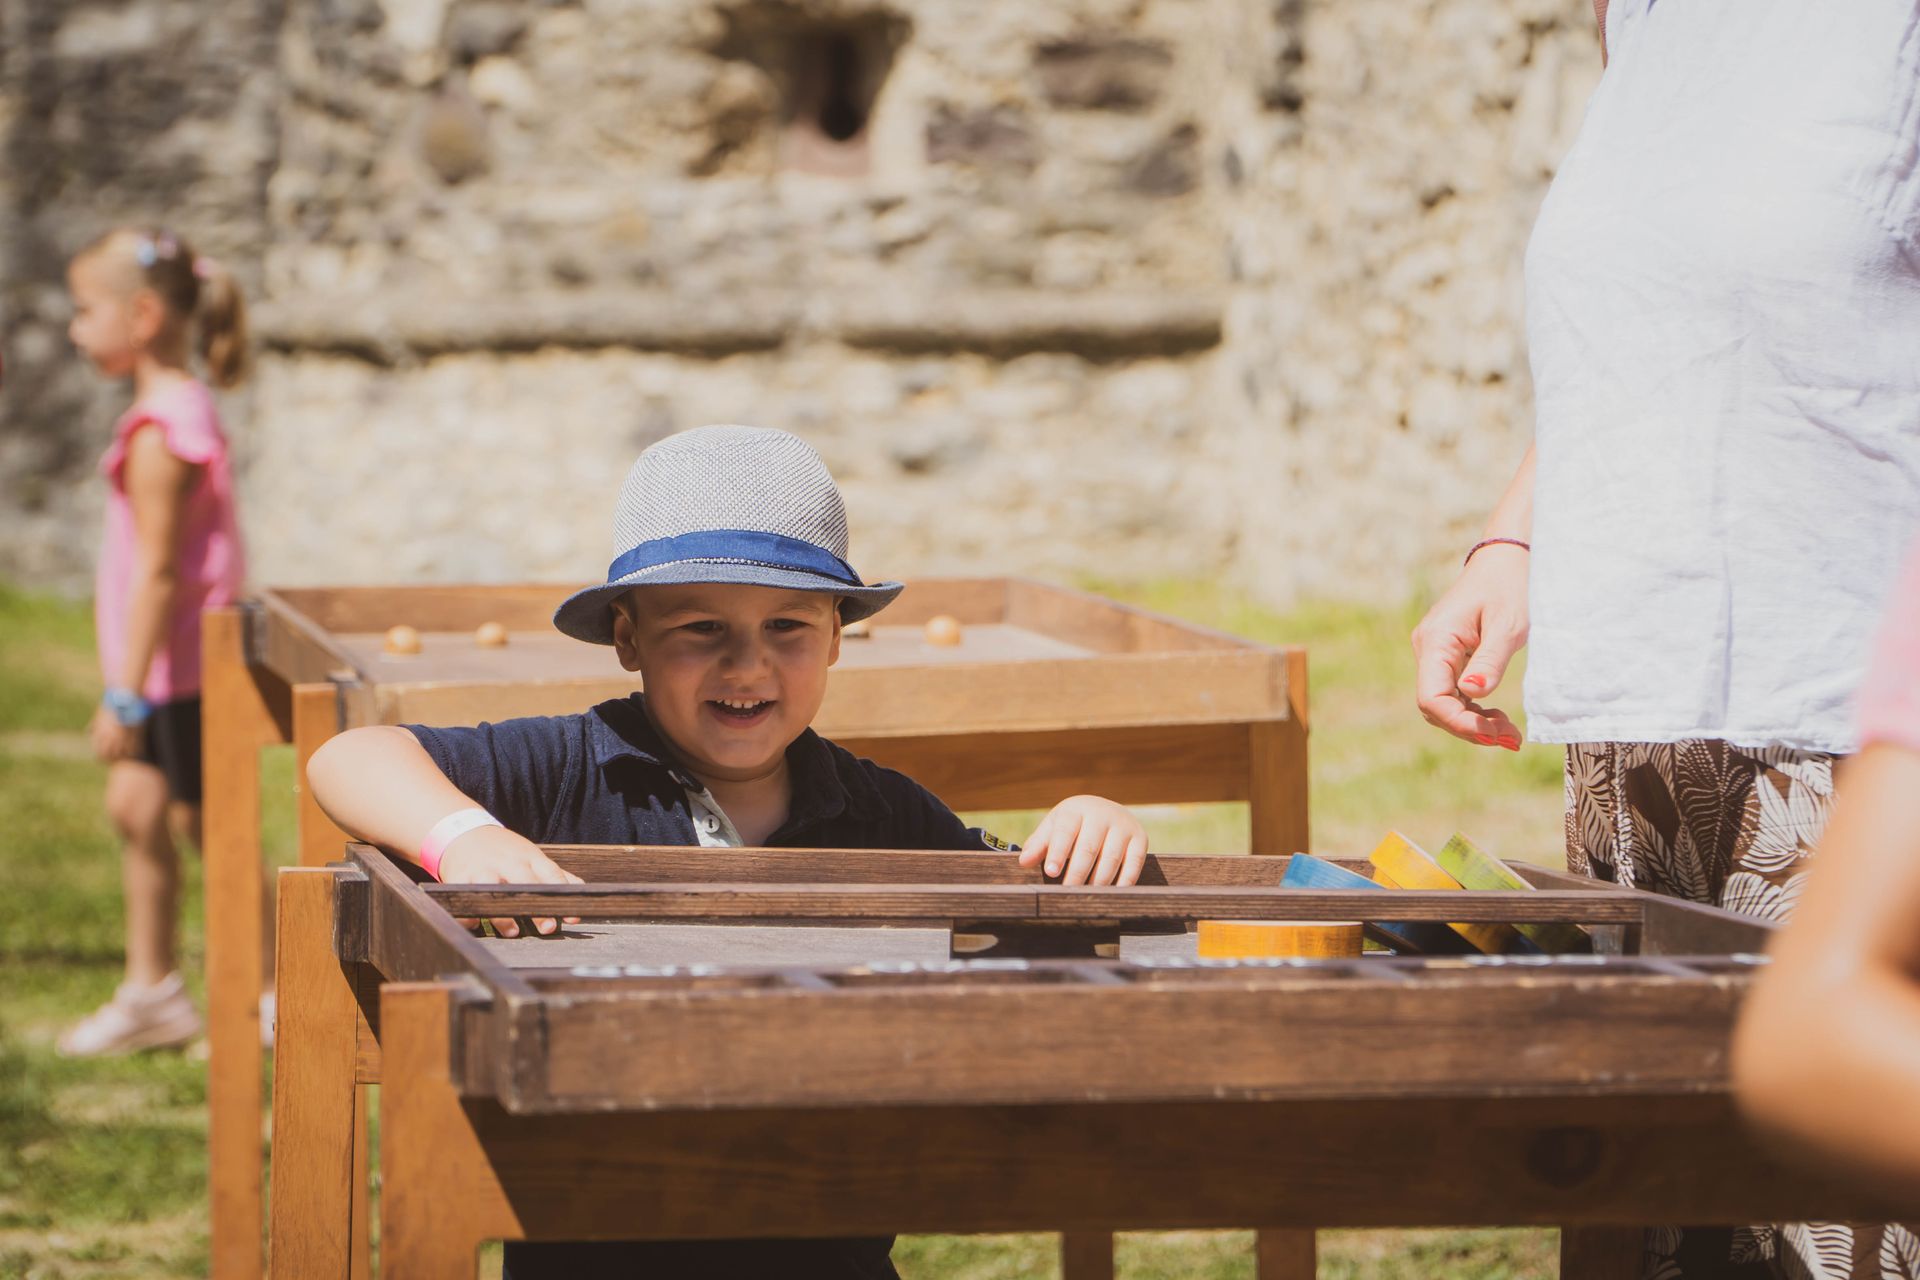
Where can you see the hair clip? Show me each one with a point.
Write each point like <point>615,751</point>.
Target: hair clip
<point>148,250</point>
<point>204,267</point>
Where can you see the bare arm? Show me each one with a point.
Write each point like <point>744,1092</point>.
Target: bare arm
<point>157,484</point>
<point>380,785</point>
<point>1513,515</point>
<point>1827,1054</point>
<point>1462,647</point>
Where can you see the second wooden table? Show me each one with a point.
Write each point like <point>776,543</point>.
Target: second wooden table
<point>1049,692</point>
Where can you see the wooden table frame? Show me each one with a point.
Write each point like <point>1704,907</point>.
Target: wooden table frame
<point>1163,712</point>
<point>1003,1094</point>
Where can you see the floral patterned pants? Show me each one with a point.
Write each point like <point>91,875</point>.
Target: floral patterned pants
<point>1731,827</point>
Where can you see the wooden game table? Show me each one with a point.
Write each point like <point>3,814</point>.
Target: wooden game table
<point>1049,692</point>
<point>1026,1056</point>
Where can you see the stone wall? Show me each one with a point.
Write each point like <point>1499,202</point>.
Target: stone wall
<point>1375,375</point>
<point>1129,287</point>
<point>110,113</point>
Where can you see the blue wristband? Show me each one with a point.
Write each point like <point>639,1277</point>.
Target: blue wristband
<point>126,706</point>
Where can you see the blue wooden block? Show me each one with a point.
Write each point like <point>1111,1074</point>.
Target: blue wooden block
<point>1408,937</point>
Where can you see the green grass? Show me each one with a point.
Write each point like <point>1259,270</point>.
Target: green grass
<point>103,1163</point>
<point>1375,764</point>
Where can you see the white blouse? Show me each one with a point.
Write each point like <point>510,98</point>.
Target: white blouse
<point>1723,309</point>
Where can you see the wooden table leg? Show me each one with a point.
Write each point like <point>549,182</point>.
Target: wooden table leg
<point>439,1198</point>
<point>1285,1255</point>
<point>360,1249</point>
<point>1277,769</point>
<point>314,1120</point>
<point>239,719</point>
<point>1086,1255</point>
<point>316,718</point>
<point>1602,1253</point>
<point>1277,798</point>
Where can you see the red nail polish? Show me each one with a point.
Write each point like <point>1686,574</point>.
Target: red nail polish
<point>1475,681</point>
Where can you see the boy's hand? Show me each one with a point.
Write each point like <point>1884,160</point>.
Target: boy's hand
<point>495,855</point>
<point>112,740</point>
<point>1088,840</point>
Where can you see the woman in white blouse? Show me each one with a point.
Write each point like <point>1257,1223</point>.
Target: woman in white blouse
<point>1723,314</point>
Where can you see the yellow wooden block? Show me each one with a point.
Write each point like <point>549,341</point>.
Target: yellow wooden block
<point>1251,939</point>
<point>1398,863</point>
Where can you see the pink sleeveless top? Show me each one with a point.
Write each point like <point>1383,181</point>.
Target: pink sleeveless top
<point>212,567</point>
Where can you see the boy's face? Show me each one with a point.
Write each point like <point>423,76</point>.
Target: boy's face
<point>733,674</point>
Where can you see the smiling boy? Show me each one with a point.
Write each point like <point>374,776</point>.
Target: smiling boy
<point>727,594</point>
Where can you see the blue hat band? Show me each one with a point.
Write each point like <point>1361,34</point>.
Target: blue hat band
<point>736,546</point>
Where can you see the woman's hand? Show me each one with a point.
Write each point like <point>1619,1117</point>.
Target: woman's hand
<point>112,740</point>
<point>495,855</point>
<point>1088,840</point>
<point>1462,647</point>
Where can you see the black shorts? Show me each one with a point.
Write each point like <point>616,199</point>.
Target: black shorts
<point>172,745</point>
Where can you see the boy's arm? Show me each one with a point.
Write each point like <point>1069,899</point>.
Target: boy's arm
<point>923,821</point>
<point>380,785</point>
<point>1827,1053</point>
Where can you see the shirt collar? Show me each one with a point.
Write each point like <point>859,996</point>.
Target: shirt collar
<point>621,729</point>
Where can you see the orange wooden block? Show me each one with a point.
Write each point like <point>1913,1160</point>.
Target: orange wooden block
<point>1252,939</point>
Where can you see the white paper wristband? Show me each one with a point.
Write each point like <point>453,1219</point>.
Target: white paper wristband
<point>449,829</point>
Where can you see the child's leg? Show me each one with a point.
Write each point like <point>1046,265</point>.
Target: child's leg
<point>137,801</point>
<point>151,1008</point>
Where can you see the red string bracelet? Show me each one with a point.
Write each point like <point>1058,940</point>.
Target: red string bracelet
<point>1487,542</point>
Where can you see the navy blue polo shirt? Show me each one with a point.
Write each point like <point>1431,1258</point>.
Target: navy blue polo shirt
<point>608,777</point>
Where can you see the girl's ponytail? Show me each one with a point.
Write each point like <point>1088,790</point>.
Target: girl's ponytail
<point>221,315</point>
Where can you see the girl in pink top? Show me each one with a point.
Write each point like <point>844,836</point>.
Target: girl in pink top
<point>1827,1055</point>
<point>143,303</point>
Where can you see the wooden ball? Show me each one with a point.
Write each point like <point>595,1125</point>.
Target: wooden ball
<point>490,635</point>
<point>403,640</point>
<point>859,630</point>
<point>943,630</point>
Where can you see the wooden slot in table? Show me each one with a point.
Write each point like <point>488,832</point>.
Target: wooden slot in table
<point>1050,692</point>
<point>528,1097</point>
